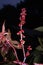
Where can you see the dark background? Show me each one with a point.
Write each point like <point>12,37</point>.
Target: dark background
<point>10,14</point>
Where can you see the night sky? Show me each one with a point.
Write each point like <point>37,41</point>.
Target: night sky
<point>11,2</point>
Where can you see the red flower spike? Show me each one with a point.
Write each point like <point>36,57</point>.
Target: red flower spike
<point>18,33</point>
<point>22,41</point>
<point>23,19</point>
<point>27,54</point>
<point>29,48</point>
<point>22,23</point>
<point>20,18</point>
<point>22,31</point>
<point>19,45</point>
<point>23,10</point>
<point>23,36</point>
<point>23,14</point>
